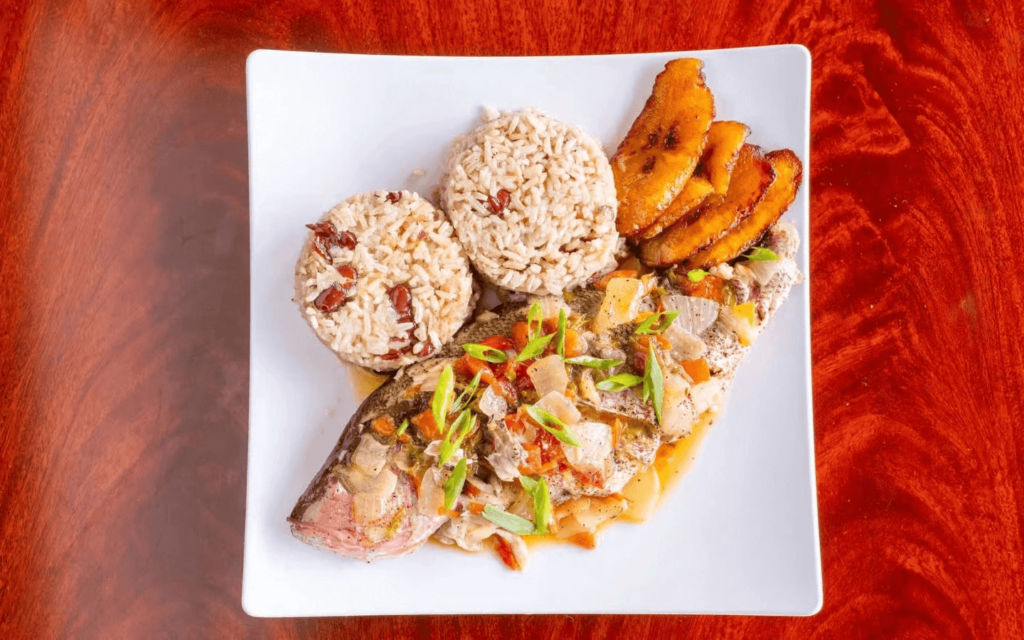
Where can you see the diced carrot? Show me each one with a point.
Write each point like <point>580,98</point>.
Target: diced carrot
<point>426,425</point>
<point>405,438</point>
<point>575,345</point>
<point>550,325</point>
<point>643,315</point>
<point>697,370</point>
<point>616,432</point>
<point>476,508</point>
<point>602,282</point>
<point>710,287</point>
<point>520,335</point>
<point>384,425</point>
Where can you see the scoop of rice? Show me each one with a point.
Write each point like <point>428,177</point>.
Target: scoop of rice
<point>350,274</point>
<point>533,202</point>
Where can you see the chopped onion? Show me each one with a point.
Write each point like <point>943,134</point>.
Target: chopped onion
<point>491,404</point>
<point>587,389</point>
<point>707,395</point>
<point>685,345</point>
<point>370,455</point>
<point>620,304</point>
<point>431,493</point>
<point>595,447</point>
<point>370,505</point>
<point>695,314</point>
<point>678,412</point>
<point>561,407</point>
<point>739,325</point>
<point>548,375</point>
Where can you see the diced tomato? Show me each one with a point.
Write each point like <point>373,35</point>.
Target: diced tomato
<point>426,425</point>
<point>602,282</point>
<point>514,423</point>
<point>502,343</point>
<point>505,389</point>
<point>470,490</point>
<point>574,344</point>
<point>550,325</point>
<point>506,554</point>
<point>697,370</point>
<point>467,367</point>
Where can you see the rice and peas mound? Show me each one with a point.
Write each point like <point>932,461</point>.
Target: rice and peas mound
<point>383,281</point>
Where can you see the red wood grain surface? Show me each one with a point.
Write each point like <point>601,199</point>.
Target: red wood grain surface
<point>124,303</point>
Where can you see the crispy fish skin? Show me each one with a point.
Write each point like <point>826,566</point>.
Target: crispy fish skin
<point>725,139</point>
<point>750,180</point>
<point>694,193</point>
<point>778,197</point>
<point>663,146</point>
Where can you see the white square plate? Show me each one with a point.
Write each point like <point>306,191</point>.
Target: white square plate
<point>739,534</point>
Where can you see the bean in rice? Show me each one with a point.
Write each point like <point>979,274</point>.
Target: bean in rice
<point>533,201</point>
<point>383,281</point>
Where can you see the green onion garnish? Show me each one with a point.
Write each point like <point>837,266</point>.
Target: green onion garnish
<point>508,521</point>
<point>460,428</point>
<point>592,362</point>
<point>485,353</point>
<point>560,336</point>
<point>657,323</point>
<point>467,394</point>
<point>761,254</point>
<point>619,382</point>
<point>453,485</point>
<point>534,316</point>
<point>402,427</point>
<point>534,348</point>
<point>538,490</point>
<point>442,396</point>
<point>654,382</point>
<point>552,425</point>
<point>696,275</point>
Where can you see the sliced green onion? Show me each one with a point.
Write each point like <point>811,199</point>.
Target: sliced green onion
<point>453,485</point>
<point>560,336</point>
<point>453,437</point>
<point>538,490</point>
<point>467,394</point>
<point>619,382</point>
<point>534,348</point>
<point>696,275</point>
<point>508,521</point>
<point>552,425</point>
<point>657,323</point>
<point>592,362</point>
<point>442,396</point>
<point>534,316</point>
<point>654,382</point>
<point>485,353</point>
<point>402,427</point>
<point>761,254</point>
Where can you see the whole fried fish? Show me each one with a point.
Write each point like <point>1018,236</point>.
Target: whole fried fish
<point>381,492</point>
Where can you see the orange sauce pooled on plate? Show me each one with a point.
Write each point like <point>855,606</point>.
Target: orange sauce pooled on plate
<point>363,381</point>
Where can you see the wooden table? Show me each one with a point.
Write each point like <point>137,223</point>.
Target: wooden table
<point>124,304</point>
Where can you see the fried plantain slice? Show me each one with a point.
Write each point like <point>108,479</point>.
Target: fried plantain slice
<point>750,179</point>
<point>694,193</point>
<point>725,139</point>
<point>659,153</point>
<point>778,197</point>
